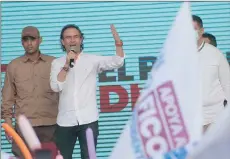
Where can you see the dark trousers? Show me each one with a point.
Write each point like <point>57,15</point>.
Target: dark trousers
<point>66,137</point>
<point>44,134</point>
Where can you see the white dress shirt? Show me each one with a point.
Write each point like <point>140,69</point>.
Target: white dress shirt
<point>216,81</point>
<point>77,102</point>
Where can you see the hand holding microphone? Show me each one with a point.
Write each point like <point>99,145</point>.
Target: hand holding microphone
<point>73,51</point>
<point>72,54</point>
<point>70,59</point>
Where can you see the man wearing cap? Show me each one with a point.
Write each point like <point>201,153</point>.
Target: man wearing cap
<point>27,89</point>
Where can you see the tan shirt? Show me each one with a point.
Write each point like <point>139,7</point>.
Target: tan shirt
<point>27,87</point>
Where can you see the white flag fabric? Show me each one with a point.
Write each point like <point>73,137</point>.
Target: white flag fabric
<point>168,113</point>
<point>6,156</point>
<point>215,144</point>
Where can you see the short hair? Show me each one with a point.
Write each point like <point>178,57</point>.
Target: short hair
<point>67,27</point>
<point>211,37</point>
<point>197,19</point>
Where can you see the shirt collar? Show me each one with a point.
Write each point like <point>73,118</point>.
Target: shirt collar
<point>41,57</point>
<point>201,46</point>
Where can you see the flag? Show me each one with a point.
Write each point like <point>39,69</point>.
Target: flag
<point>168,113</point>
<point>215,144</point>
<point>6,156</point>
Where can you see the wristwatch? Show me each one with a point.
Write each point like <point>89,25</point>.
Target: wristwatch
<point>66,69</point>
<point>119,43</point>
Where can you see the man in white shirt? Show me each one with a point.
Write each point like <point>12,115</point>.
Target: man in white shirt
<point>215,76</point>
<point>77,89</point>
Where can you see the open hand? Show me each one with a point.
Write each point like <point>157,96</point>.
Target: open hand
<point>115,34</point>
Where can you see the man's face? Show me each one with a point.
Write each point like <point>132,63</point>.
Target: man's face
<point>198,29</point>
<point>31,44</point>
<point>71,37</point>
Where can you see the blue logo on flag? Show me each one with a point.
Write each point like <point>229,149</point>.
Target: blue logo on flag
<point>136,141</point>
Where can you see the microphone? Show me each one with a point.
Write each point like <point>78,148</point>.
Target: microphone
<point>75,49</point>
<point>225,102</point>
<point>71,63</point>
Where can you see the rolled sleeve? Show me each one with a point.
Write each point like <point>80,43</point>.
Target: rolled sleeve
<point>55,85</point>
<point>109,62</point>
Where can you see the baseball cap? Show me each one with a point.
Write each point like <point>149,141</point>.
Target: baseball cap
<point>30,31</point>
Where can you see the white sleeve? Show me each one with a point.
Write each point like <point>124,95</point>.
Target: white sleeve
<point>55,85</point>
<point>224,76</point>
<point>109,62</point>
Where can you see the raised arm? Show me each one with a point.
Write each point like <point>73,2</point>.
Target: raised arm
<point>118,42</point>
<point>112,62</point>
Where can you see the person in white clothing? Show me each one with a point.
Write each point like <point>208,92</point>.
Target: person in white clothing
<point>215,76</point>
<point>77,88</point>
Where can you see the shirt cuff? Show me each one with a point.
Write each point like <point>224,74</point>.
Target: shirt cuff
<point>121,57</point>
<point>60,85</point>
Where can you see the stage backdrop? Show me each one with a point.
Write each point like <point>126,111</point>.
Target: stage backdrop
<point>142,26</point>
